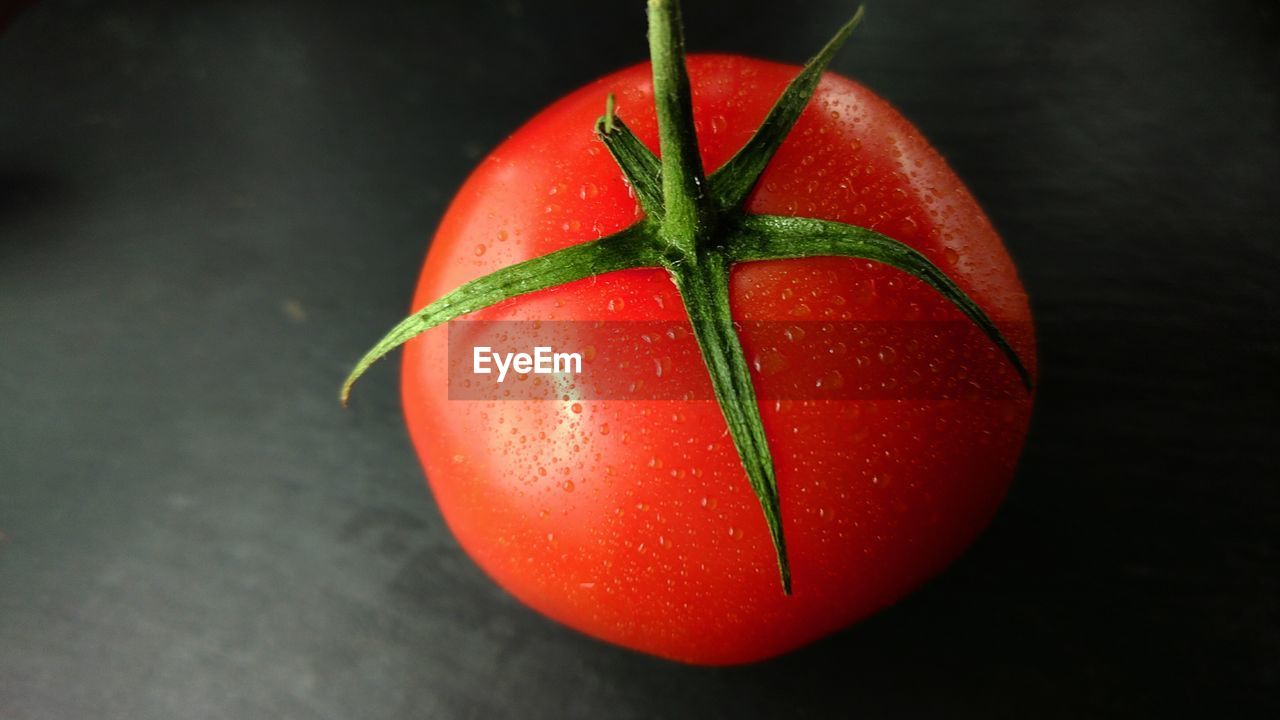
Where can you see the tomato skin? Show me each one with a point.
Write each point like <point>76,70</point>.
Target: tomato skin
<point>633,521</point>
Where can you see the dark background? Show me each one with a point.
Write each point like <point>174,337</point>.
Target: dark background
<point>209,210</point>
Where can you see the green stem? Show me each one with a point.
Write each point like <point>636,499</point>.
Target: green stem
<point>731,184</point>
<point>639,166</point>
<point>630,248</point>
<point>704,286</point>
<point>773,237</point>
<point>683,178</point>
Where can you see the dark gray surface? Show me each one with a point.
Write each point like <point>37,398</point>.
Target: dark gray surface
<point>209,210</point>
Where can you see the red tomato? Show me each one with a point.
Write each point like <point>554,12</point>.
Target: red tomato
<point>633,521</point>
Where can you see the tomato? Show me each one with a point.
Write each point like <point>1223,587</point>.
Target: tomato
<point>633,521</point>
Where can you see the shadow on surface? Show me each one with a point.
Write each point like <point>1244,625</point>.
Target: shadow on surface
<point>26,193</point>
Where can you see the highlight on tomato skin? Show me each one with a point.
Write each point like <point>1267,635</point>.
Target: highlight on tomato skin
<point>633,522</point>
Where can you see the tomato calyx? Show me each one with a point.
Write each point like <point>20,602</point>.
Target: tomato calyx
<point>696,228</point>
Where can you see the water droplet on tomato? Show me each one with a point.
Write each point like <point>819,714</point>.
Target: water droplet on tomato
<point>662,366</point>
<point>907,226</point>
<point>769,361</point>
<point>831,381</point>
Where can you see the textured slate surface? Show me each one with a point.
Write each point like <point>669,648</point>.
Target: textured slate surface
<point>207,210</point>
